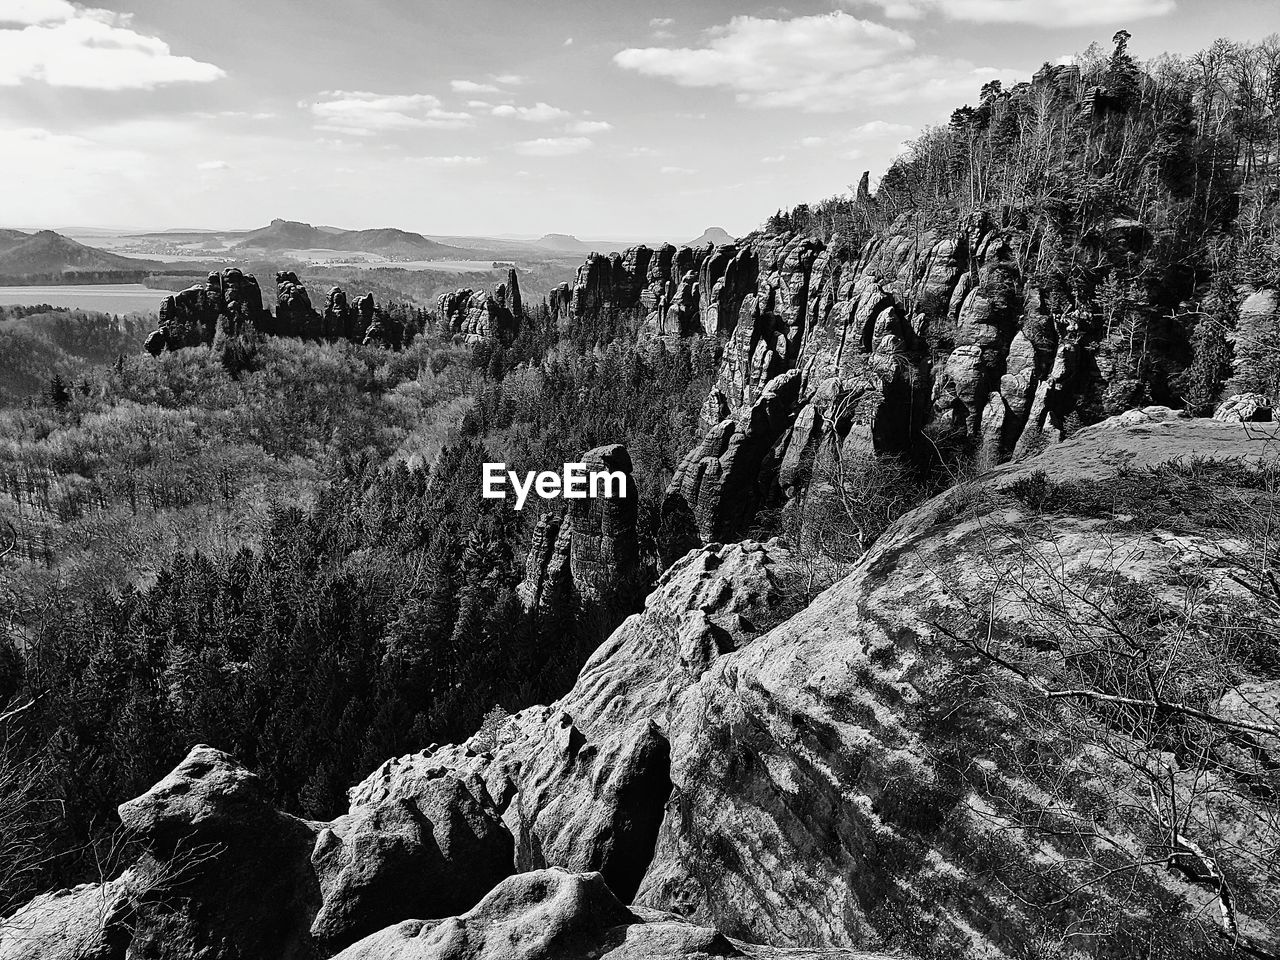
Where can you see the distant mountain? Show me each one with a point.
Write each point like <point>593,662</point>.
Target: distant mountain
<point>384,241</point>
<point>562,241</point>
<point>47,252</point>
<point>713,235</point>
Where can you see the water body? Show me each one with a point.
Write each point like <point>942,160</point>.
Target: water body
<point>103,297</point>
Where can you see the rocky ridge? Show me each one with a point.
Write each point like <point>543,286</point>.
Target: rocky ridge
<point>832,781</point>
<point>922,338</point>
<point>229,305</point>
<point>585,554</point>
<point>478,316</point>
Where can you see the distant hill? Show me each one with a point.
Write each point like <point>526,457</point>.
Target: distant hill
<point>47,252</point>
<point>384,241</point>
<point>714,235</point>
<point>562,241</point>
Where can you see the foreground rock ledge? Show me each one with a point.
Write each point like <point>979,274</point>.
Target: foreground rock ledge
<point>737,776</point>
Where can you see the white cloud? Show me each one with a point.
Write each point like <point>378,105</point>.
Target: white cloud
<point>659,22</point>
<point>813,141</point>
<point>779,158</point>
<point>451,161</point>
<point>470,86</point>
<point>589,126</point>
<point>479,104</point>
<point>677,171</point>
<point>553,146</point>
<point>538,113</point>
<point>881,128</point>
<point>1042,13</point>
<point>854,154</point>
<point>67,46</point>
<point>36,11</point>
<point>213,165</point>
<point>364,114</point>
<point>510,79</point>
<point>815,64</point>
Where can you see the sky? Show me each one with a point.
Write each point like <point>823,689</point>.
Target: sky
<point>598,118</point>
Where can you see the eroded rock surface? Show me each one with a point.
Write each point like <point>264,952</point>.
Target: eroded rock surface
<point>845,779</point>
<point>585,554</point>
<point>478,316</point>
<point>228,306</point>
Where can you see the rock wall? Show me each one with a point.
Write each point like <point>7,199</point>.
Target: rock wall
<point>229,305</point>
<point>924,337</point>
<point>477,316</point>
<point>586,554</point>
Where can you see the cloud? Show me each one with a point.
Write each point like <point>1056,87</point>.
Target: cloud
<point>470,86</point>
<point>659,22</point>
<point>881,128</point>
<point>510,79</point>
<point>553,146</point>
<point>364,114</point>
<point>1041,13</point>
<point>53,42</point>
<point>451,161</point>
<point>27,12</point>
<point>568,41</point>
<point>589,126</point>
<point>815,64</point>
<point>779,158</point>
<point>213,165</point>
<point>813,141</point>
<point>677,171</point>
<point>538,113</point>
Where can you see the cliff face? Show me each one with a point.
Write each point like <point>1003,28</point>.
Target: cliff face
<point>854,777</point>
<point>587,554</point>
<point>478,316</point>
<point>923,338</point>
<point>229,305</point>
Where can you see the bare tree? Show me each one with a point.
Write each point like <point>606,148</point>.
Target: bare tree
<point>1151,698</point>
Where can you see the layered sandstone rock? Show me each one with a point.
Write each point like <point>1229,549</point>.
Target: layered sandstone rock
<point>228,306</point>
<point>843,779</point>
<point>586,554</point>
<point>478,316</point>
<point>295,317</point>
<point>1244,408</point>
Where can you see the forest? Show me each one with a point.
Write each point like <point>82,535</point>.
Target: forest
<point>293,563</point>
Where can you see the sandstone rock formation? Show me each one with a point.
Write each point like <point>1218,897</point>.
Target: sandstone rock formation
<point>546,913</point>
<point>295,317</point>
<point>587,553</point>
<point>1244,408</point>
<point>229,305</point>
<point>478,316</point>
<point>853,777</point>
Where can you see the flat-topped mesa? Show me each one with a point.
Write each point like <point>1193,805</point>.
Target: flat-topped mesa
<point>229,305</point>
<point>477,316</point>
<point>586,554</point>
